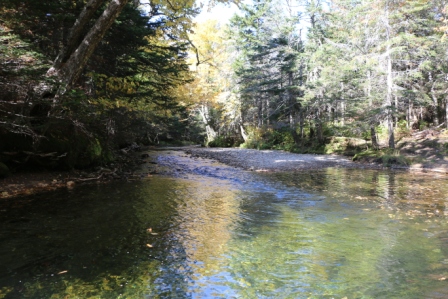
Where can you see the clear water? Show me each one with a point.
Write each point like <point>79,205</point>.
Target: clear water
<point>204,230</point>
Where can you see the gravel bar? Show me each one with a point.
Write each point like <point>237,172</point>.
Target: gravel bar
<point>274,160</point>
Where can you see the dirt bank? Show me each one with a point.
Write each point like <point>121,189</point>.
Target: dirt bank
<point>25,182</point>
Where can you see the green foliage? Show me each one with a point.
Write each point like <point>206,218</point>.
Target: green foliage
<point>422,125</point>
<point>4,170</point>
<point>402,129</point>
<point>333,82</point>
<point>352,130</point>
<point>345,145</point>
<point>381,131</point>
<point>268,138</point>
<point>387,157</point>
<point>340,73</point>
<point>127,93</point>
<point>225,141</point>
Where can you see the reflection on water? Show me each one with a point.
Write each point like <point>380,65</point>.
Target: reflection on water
<point>208,231</point>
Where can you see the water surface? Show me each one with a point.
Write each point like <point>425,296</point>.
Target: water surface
<point>204,230</point>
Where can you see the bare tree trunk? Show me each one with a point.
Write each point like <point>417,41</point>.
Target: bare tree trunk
<point>388,103</point>
<point>260,112</point>
<point>75,34</point>
<point>369,88</point>
<point>446,112</point>
<point>374,138</point>
<point>243,133</point>
<point>266,111</point>
<point>71,70</point>
<point>291,102</point>
<point>408,115</point>
<point>396,108</point>
<point>342,107</point>
<point>311,131</point>
<point>211,133</point>
<point>319,129</point>
<point>301,124</point>
<point>292,109</point>
<point>435,102</point>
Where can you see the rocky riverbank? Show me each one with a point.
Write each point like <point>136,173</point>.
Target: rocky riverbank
<point>273,160</point>
<point>24,183</point>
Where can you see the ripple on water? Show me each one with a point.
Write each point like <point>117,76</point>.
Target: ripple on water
<point>205,230</point>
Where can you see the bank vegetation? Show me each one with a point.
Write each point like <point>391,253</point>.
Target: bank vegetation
<point>80,80</point>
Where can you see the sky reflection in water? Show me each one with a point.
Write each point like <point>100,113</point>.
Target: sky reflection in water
<point>217,232</point>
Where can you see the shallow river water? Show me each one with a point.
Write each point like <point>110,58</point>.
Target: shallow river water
<point>200,229</point>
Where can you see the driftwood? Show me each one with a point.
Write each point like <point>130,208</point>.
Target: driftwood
<point>133,147</point>
<point>43,155</point>
<point>88,179</point>
<point>102,172</point>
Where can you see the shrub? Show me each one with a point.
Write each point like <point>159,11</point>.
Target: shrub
<point>402,129</point>
<point>268,138</point>
<point>224,141</point>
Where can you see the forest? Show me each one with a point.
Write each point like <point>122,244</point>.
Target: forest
<point>82,79</point>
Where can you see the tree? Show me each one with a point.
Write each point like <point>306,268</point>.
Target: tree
<point>126,90</point>
<point>72,59</point>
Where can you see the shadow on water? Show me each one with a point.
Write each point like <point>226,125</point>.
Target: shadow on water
<point>204,230</point>
<point>91,236</point>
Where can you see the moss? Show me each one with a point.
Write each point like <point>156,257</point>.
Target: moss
<point>4,170</point>
<point>88,152</point>
<point>107,156</point>
<point>344,145</point>
<point>222,141</point>
<point>387,157</point>
<point>94,150</point>
<point>390,160</point>
<point>77,151</point>
<point>367,155</point>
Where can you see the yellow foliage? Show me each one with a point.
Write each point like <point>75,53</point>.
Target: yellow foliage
<point>212,74</point>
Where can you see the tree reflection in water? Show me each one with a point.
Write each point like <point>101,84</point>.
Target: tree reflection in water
<point>216,233</point>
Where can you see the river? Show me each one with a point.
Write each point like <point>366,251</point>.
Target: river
<point>200,229</point>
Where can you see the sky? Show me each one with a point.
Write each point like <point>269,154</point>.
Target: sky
<point>220,12</point>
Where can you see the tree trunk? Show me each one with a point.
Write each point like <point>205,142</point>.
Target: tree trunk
<point>301,124</point>
<point>260,112</point>
<point>435,102</point>
<point>75,35</point>
<point>320,137</point>
<point>292,109</point>
<point>243,133</point>
<point>342,108</point>
<point>374,138</point>
<point>311,132</point>
<point>211,133</point>
<point>388,103</point>
<point>71,70</point>
<point>446,112</point>
<point>369,88</point>
<point>266,111</point>
<point>396,109</point>
<point>291,102</point>
<point>319,129</point>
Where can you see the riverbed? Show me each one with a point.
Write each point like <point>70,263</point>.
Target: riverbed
<point>197,228</point>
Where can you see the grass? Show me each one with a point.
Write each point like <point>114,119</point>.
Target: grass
<point>387,157</point>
